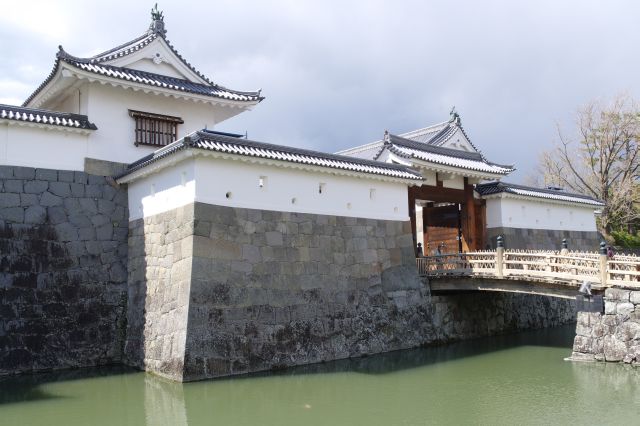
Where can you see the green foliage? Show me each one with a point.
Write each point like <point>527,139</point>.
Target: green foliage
<point>625,239</point>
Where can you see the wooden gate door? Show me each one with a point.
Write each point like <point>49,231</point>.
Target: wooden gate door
<point>442,227</point>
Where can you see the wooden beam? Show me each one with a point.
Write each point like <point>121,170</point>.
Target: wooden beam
<point>452,285</point>
<point>471,216</point>
<point>437,194</point>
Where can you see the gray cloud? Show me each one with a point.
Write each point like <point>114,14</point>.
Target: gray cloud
<point>338,73</point>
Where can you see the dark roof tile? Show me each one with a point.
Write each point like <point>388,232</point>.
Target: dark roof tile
<point>45,117</point>
<point>214,141</point>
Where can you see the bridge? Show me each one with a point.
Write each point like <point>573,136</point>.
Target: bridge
<point>550,273</point>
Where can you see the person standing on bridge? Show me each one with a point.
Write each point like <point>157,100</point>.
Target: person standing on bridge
<point>610,252</point>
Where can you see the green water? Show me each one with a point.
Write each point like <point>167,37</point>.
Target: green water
<point>517,379</point>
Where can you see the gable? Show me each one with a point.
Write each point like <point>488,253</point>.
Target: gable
<point>158,58</point>
<point>458,140</point>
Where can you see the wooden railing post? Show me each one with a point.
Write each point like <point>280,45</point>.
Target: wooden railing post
<point>603,263</point>
<point>500,257</point>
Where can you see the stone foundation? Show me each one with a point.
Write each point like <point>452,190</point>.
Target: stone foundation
<point>543,239</point>
<point>63,251</point>
<point>613,336</point>
<point>230,291</point>
<point>217,291</point>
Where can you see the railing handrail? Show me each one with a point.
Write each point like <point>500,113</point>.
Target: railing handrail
<point>552,265</point>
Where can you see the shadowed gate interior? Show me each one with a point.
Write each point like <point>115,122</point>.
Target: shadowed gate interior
<point>447,217</point>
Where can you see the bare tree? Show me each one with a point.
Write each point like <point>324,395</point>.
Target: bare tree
<point>602,160</point>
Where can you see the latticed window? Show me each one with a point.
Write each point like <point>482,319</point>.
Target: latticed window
<point>155,129</point>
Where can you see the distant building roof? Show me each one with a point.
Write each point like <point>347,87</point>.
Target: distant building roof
<point>96,65</point>
<point>436,134</point>
<point>491,188</point>
<point>408,148</point>
<point>224,143</point>
<point>431,144</point>
<point>45,118</point>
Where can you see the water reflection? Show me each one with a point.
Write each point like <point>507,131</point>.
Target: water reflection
<point>164,402</point>
<point>512,379</point>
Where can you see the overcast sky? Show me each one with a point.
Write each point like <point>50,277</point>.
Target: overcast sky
<point>338,73</point>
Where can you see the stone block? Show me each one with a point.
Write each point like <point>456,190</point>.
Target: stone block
<point>46,174</point>
<point>274,238</point>
<point>13,185</point>
<point>35,215</point>
<point>12,214</point>
<point>106,207</point>
<point>251,253</point>
<point>6,172</point>
<point>35,186</point>
<point>578,356</point>
<point>634,297</point>
<point>9,200</point>
<point>66,175</point>
<point>93,247</point>
<point>78,219</point>
<point>617,295</point>
<point>614,350</point>
<point>27,200</point>
<point>61,189</point>
<point>26,173</point>
<point>66,232</point>
<point>118,273</point>
<point>47,199</point>
<point>628,331</point>
<point>93,191</point>
<point>88,205</point>
<point>80,177</point>
<point>56,215</point>
<point>625,308</point>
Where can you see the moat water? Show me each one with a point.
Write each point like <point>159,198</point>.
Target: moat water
<point>515,379</point>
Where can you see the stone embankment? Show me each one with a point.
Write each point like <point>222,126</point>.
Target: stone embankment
<point>613,336</point>
<point>63,277</point>
<point>210,290</point>
<point>217,291</point>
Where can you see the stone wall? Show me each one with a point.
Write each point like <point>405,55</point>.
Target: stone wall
<point>467,316</point>
<point>273,289</point>
<point>216,291</point>
<point>613,336</point>
<point>63,250</point>
<point>543,239</point>
<point>160,249</point>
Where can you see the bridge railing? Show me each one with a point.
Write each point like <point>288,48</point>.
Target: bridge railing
<point>565,266</point>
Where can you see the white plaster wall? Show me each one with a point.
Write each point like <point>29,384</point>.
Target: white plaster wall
<point>453,182</point>
<point>170,188</point>
<point>539,214</point>
<point>213,178</point>
<point>22,145</point>
<point>4,137</point>
<point>108,108</point>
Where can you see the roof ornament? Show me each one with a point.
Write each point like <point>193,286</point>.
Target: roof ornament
<point>386,138</point>
<point>157,21</point>
<point>455,117</point>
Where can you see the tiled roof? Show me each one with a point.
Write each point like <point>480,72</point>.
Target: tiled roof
<point>439,155</point>
<point>161,81</point>
<point>219,142</point>
<point>527,191</point>
<point>427,133</point>
<point>96,65</point>
<point>41,116</point>
<point>438,134</point>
